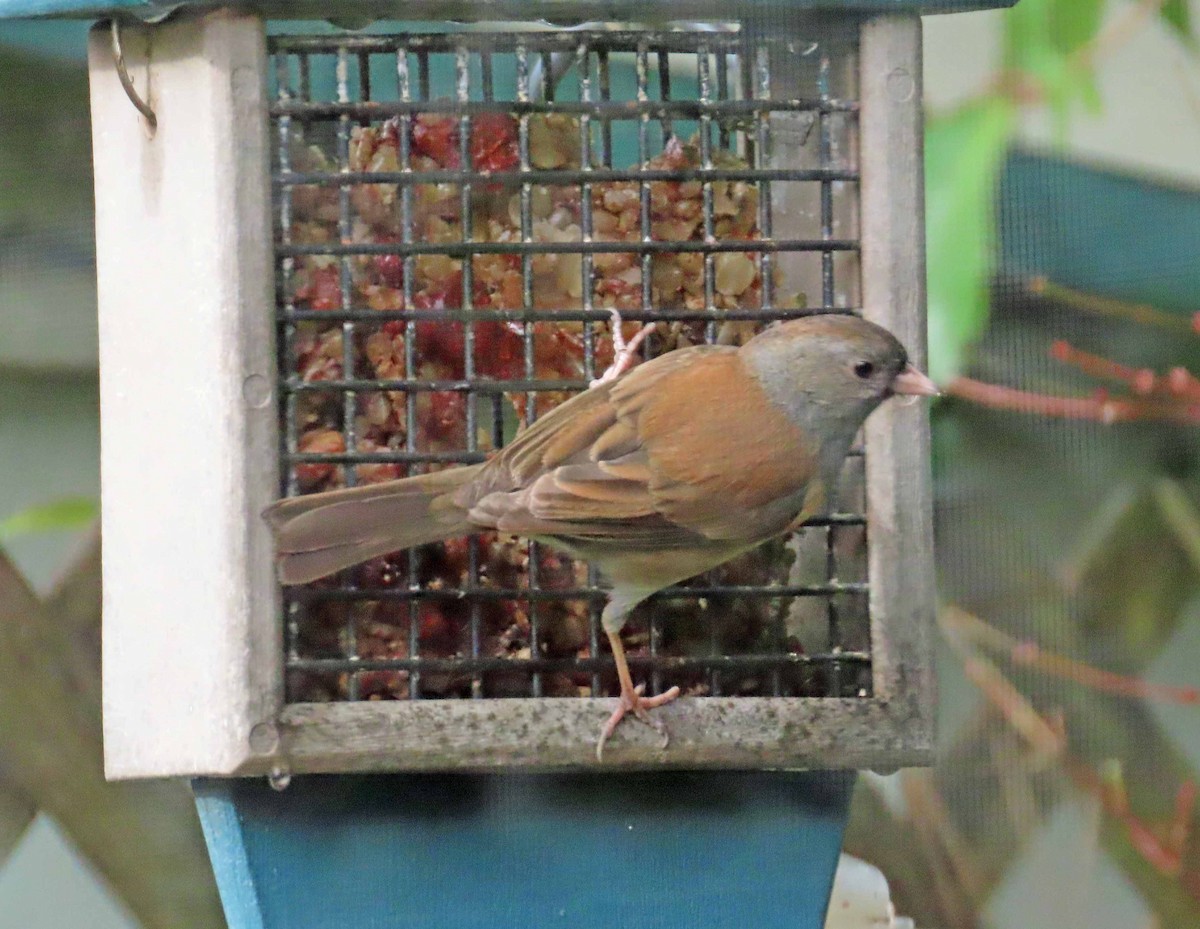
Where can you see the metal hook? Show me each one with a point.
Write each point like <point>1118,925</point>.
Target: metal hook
<point>126,81</point>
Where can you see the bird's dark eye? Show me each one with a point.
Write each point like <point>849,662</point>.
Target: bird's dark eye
<point>864,369</point>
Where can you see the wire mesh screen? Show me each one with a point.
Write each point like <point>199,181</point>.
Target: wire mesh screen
<point>458,213</point>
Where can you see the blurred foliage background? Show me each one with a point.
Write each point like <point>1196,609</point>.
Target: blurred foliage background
<point>1061,299</point>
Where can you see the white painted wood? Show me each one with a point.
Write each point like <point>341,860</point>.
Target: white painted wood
<point>899,495</point>
<point>189,433</point>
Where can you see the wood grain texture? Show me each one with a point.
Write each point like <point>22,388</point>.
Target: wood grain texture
<point>559,734</point>
<point>72,640</point>
<point>141,838</point>
<point>188,423</point>
<point>899,494</point>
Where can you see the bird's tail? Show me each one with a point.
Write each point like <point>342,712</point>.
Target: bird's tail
<point>322,533</point>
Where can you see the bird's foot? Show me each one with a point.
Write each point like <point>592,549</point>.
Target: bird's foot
<point>639,706</point>
<point>623,352</point>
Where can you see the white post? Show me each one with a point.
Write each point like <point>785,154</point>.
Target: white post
<point>187,377</point>
<point>899,494</point>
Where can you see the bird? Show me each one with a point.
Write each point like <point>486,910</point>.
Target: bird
<point>671,468</point>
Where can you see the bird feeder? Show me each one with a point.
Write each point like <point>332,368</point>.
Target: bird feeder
<point>332,256</point>
<point>340,257</point>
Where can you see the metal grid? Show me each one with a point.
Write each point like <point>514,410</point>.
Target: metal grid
<point>424,185</point>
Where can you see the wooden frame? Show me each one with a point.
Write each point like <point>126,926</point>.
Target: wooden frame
<point>899,482</point>
<point>188,424</point>
<point>192,649</point>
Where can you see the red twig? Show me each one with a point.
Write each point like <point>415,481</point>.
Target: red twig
<point>1028,653</point>
<point>1139,380</point>
<point>1044,738</point>
<point>1176,383</point>
<point>1099,407</point>
<point>1163,846</point>
<point>1172,397</point>
<point>1185,802</point>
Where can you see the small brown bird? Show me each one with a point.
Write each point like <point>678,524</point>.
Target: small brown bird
<point>671,469</point>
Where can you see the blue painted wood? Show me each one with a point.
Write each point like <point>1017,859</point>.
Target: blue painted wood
<point>1114,233</point>
<point>225,838</point>
<point>314,9</point>
<point>666,850</point>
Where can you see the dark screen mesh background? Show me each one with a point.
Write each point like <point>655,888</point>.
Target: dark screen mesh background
<point>1076,536</point>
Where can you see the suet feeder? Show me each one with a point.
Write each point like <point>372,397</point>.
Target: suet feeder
<point>342,257</point>
<point>331,257</point>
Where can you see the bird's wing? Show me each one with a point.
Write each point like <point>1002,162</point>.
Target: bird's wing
<point>587,500</point>
<point>566,432</point>
<point>640,461</point>
<point>569,432</point>
<point>577,471</point>
<point>725,465</point>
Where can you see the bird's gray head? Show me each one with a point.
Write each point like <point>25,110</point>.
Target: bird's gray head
<point>828,372</point>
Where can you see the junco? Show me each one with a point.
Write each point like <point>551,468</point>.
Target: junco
<point>669,470</point>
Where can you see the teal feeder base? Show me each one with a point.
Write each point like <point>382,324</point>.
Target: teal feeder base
<point>653,851</point>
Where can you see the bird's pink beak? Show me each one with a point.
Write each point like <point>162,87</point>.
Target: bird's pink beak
<point>913,383</point>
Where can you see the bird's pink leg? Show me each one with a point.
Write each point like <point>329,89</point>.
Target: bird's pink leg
<point>623,352</point>
<point>632,700</point>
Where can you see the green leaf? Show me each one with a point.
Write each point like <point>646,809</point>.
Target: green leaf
<point>1042,42</point>
<point>1177,15</point>
<point>1034,28</point>
<point>1089,90</point>
<point>1073,23</point>
<point>963,154</point>
<point>1026,35</point>
<point>64,513</point>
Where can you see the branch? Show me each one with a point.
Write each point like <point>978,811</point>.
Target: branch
<point>1160,846</point>
<point>1030,654</point>
<point>142,837</point>
<point>1151,856</point>
<point>1025,89</point>
<point>1142,313</point>
<point>1046,741</point>
<point>955,884</point>
<point>1099,407</point>
<point>1172,397</point>
<point>74,602</point>
<point>1177,384</point>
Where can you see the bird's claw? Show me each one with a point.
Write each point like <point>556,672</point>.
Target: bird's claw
<point>623,351</point>
<point>639,706</point>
